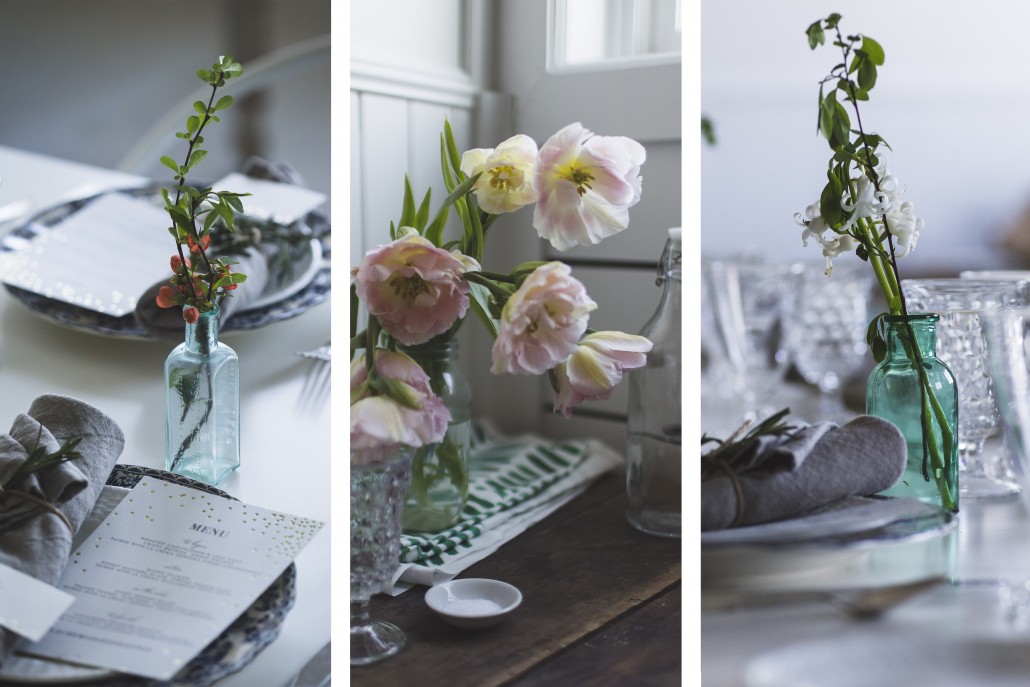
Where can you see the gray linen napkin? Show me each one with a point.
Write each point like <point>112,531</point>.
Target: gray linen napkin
<point>34,540</point>
<point>787,477</point>
<point>166,323</point>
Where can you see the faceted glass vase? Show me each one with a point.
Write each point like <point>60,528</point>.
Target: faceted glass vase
<point>653,453</point>
<point>439,472</point>
<point>202,404</point>
<point>895,392</point>
<point>377,493</point>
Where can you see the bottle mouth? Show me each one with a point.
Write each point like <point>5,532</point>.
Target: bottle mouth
<point>914,317</point>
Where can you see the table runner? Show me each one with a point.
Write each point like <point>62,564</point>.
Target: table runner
<point>513,483</point>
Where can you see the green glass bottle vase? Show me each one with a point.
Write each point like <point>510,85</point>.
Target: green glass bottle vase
<point>897,391</point>
<point>202,404</point>
<point>439,472</point>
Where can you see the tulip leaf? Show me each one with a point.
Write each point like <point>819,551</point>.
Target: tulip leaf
<point>479,300</point>
<point>422,216</point>
<point>408,208</point>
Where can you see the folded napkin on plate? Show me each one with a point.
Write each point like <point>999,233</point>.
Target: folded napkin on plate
<point>166,323</point>
<point>787,475</point>
<point>513,483</point>
<point>33,539</point>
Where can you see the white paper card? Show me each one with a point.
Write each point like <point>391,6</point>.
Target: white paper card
<point>167,571</point>
<point>74,261</point>
<point>282,203</point>
<point>29,607</point>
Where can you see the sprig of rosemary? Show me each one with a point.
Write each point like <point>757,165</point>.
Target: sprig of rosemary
<point>740,443</point>
<point>39,459</point>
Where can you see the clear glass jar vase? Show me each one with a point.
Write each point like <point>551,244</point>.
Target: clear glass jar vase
<point>922,401</point>
<point>377,493</point>
<point>653,453</point>
<point>439,472</point>
<point>202,404</point>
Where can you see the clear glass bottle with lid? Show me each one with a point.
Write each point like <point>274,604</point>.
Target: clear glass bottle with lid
<point>653,453</point>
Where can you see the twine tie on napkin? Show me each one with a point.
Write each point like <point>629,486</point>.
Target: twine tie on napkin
<point>798,469</point>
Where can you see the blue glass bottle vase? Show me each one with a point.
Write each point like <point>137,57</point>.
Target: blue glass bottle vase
<point>202,404</point>
<point>897,392</point>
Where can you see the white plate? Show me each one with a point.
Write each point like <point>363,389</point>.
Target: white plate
<point>307,285</point>
<point>841,539</point>
<point>895,659</point>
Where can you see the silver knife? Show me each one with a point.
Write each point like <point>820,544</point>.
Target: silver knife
<point>316,672</point>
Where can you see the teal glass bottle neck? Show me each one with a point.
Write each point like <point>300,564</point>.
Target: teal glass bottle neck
<point>923,326</point>
<point>202,335</point>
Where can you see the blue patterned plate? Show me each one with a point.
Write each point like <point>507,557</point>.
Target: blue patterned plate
<point>237,646</point>
<point>279,302</point>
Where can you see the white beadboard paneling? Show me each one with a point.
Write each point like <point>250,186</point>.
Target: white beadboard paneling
<point>384,157</point>
<point>357,187</point>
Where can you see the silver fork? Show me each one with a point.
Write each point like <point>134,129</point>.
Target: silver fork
<point>317,382</point>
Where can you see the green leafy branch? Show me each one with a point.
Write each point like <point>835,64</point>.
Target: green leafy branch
<point>192,205</point>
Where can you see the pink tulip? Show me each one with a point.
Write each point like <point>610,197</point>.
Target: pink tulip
<point>585,186</point>
<point>596,368</point>
<point>381,423</point>
<point>542,322</point>
<point>413,288</point>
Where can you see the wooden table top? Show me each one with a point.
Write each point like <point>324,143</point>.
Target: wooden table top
<point>601,606</point>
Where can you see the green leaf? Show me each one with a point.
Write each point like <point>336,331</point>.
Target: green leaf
<point>873,50</point>
<point>815,34</point>
<point>826,117</point>
<point>204,75</point>
<point>180,218</point>
<point>408,207</point>
<point>224,102</point>
<point>452,151</point>
<point>354,303</point>
<point>195,158</point>
<point>479,300</point>
<point>867,75</point>
<point>170,163</point>
<point>200,107</point>
<point>422,216</point>
<point>876,337</point>
<point>832,20</point>
<point>435,231</point>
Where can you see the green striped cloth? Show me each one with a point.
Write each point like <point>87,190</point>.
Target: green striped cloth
<point>513,483</point>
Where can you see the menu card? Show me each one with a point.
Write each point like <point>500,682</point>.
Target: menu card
<point>29,607</point>
<point>168,570</point>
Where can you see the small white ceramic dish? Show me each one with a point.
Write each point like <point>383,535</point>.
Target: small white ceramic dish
<point>474,603</point>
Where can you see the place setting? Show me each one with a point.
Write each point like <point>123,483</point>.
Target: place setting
<point>117,572</point>
<point>863,463</point>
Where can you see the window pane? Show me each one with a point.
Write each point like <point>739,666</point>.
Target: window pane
<point>599,31</point>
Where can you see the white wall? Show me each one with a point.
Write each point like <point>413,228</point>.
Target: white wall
<point>84,79</point>
<point>952,99</point>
